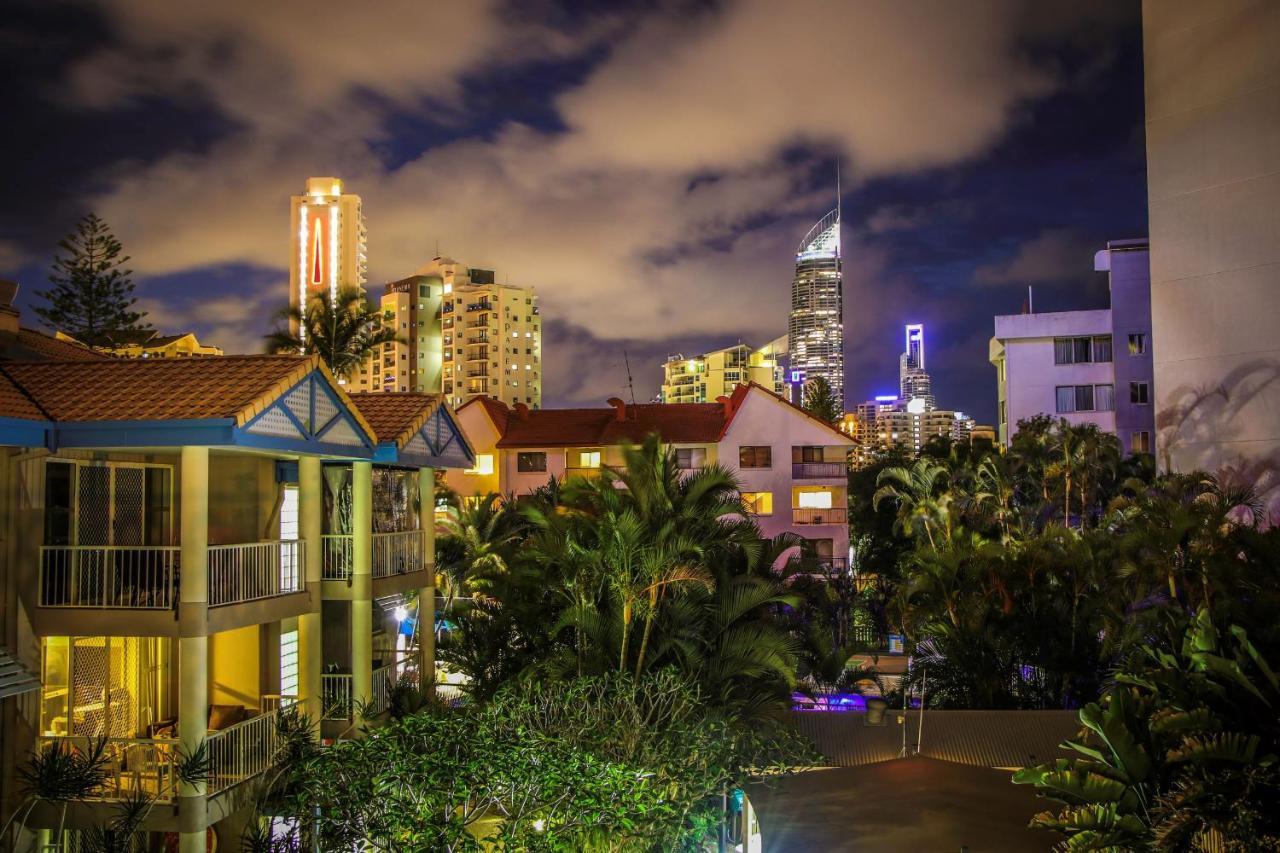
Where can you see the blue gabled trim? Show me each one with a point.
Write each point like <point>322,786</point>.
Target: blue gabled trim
<point>174,433</point>
<point>19,432</point>
<point>319,387</point>
<point>313,440</point>
<point>310,445</point>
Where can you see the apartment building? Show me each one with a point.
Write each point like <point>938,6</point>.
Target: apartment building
<point>791,466</point>
<point>1084,366</point>
<point>412,362</point>
<point>195,545</point>
<point>707,377</point>
<point>149,343</point>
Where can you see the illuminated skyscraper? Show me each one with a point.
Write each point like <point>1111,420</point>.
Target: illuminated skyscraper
<point>328,241</point>
<point>816,326</point>
<point>913,381</point>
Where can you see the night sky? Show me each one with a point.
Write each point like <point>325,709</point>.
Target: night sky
<point>648,167</point>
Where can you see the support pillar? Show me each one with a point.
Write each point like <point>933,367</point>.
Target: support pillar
<point>362,582</point>
<point>427,594</point>
<point>193,639</point>
<point>310,646</point>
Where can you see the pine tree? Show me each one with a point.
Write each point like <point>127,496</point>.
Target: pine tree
<point>92,293</point>
<point>820,402</point>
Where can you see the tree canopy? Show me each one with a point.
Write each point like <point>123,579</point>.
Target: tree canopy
<point>92,292</point>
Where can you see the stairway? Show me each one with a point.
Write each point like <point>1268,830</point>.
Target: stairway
<point>15,678</point>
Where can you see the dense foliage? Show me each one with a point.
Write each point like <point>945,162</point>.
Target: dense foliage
<point>345,331</point>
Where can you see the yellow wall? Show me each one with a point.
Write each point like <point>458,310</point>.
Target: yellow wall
<point>234,666</point>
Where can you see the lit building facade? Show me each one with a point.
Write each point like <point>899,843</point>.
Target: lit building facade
<point>815,329</point>
<point>328,238</point>
<point>1213,188</point>
<point>792,467</point>
<point>149,343</point>
<point>885,422</point>
<point>707,377</point>
<point>913,380</point>
<point>413,362</point>
<point>1085,366</point>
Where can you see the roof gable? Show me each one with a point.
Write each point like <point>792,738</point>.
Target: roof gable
<point>415,429</point>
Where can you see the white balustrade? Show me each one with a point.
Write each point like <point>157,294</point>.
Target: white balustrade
<point>134,576</point>
<point>337,556</point>
<point>398,553</point>
<point>335,695</point>
<point>254,570</point>
<point>133,765</point>
<point>241,751</point>
<point>387,676</point>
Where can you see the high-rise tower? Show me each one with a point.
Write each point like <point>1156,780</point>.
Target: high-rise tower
<point>815,328</point>
<point>328,241</point>
<point>914,382</point>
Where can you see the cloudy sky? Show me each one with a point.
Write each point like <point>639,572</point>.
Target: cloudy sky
<point>649,167</point>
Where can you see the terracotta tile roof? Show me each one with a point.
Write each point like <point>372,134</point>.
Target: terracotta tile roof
<point>14,402</point>
<point>160,389</point>
<point>395,416</point>
<point>30,344</point>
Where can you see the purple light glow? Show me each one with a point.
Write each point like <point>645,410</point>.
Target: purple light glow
<point>832,702</point>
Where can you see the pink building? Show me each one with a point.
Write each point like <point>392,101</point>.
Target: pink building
<point>791,466</point>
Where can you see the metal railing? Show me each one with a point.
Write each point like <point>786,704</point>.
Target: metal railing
<point>335,695</point>
<point>811,515</point>
<point>399,553</point>
<point>337,556</point>
<point>241,751</point>
<point>254,570</point>
<point>386,677</point>
<point>134,576</point>
<point>817,470</point>
<point>145,765</point>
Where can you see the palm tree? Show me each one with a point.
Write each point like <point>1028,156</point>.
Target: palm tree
<point>345,331</point>
<point>924,504</point>
<point>476,546</point>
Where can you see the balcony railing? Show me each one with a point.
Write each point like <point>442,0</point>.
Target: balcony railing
<point>242,751</point>
<point>337,556</point>
<point>816,470</point>
<point>254,570</point>
<point>139,577</point>
<point>386,677</point>
<point>810,515</point>
<point>399,553</point>
<point>335,695</point>
<point>134,765</point>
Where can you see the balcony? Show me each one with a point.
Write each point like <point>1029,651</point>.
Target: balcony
<point>148,766</point>
<point>813,515</point>
<point>818,470</point>
<point>139,577</point>
<point>337,691</point>
<point>394,554</point>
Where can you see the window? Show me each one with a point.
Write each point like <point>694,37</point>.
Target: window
<point>755,456</point>
<point>589,459</point>
<point>1104,398</point>
<point>1004,411</point>
<point>483,466</point>
<point>806,454</point>
<point>1139,393</point>
<point>289,663</point>
<point>1140,442</point>
<point>688,458</point>
<point>531,462</point>
<point>1082,350</point>
<point>758,503</point>
<point>1137,343</point>
<point>813,500</point>
<point>1074,398</point>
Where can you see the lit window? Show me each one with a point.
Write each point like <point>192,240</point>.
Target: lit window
<point>483,466</point>
<point>758,503</point>
<point>1140,442</point>
<point>1137,343</point>
<point>589,459</point>
<point>814,500</point>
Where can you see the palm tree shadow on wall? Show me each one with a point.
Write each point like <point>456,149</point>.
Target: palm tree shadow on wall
<point>1191,420</point>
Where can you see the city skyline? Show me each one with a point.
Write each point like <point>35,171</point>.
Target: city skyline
<point>1012,148</point>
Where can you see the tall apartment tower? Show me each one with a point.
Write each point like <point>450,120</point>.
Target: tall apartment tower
<point>1213,192</point>
<point>412,306</point>
<point>815,329</point>
<point>328,241</point>
<point>491,336</point>
<point>914,382</point>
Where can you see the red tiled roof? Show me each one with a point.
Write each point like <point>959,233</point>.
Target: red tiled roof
<point>395,416</point>
<point>40,345</point>
<point>158,389</point>
<point>14,402</point>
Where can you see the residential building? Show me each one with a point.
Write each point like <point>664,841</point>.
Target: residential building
<point>329,239</point>
<point>194,545</point>
<point>913,380</point>
<point>149,343</point>
<point>707,377</point>
<point>413,362</point>
<point>815,328</point>
<point>1213,187</point>
<point>792,466</point>
<point>1085,366</point>
<point>491,336</point>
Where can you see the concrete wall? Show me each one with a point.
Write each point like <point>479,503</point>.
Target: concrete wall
<point>1130,280</point>
<point>235,667</point>
<point>1213,175</point>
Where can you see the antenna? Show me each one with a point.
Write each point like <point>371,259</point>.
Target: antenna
<point>631,388</point>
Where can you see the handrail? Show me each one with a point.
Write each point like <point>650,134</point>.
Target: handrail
<point>143,577</point>
<point>241,751</point>
<point>399,553</point>
<point>249,571</point>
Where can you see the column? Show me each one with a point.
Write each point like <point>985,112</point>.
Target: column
<point>427,594</point>
<point>362,582</point>
<point>193,638</point>
<point>310,647</point>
